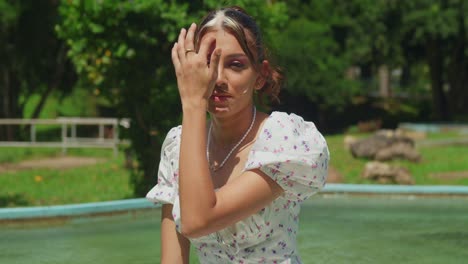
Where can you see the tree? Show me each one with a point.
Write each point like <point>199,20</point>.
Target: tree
<point>123,49</point>
<point>438,28</point>
<point>32,58</point>
<point>323,44</point>
<point>378,37</point>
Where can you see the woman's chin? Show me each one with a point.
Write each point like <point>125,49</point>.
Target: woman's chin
<point>218,108</point>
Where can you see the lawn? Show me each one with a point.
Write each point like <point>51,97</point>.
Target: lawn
<point>435,160</point>
<point>108,179</point>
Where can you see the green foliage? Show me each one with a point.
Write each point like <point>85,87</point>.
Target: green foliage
<point>8,12</point>
<point>32,59</point>
<point>79,103</point>
<point>432,18</point>
<point>121,53</point>
<point>439,29</point>
<point>122,49</point>
<point>326,40</point>
<point>313,64</point>
<point>426,40</point>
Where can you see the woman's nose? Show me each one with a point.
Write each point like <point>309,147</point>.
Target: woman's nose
<point>221,78</point>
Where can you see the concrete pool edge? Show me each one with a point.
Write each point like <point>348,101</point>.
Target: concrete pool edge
<point>396,189</point>
<point>142,203</point>
<point>74,209</point>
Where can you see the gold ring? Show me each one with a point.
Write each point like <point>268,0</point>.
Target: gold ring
<point>188,50</point>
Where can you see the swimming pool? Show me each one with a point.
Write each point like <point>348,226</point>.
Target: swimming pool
<point>333,229</point>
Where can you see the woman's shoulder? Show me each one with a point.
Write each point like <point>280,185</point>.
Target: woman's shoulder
<point>290,119</point>
<point>293,153</point>
<point>174,132</point>
<point>289,135</point>
<point>172,141</point>
<point>288,127</point>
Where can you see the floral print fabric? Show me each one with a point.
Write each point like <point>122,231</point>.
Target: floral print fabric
<point>289,150</point>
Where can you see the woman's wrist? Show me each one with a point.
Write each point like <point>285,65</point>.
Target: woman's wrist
<point>198,106</point>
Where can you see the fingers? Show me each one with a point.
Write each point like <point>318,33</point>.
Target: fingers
<point>189,39</point>
<point>207,47</point>
<point>181,45</point>
<point>175,58</point>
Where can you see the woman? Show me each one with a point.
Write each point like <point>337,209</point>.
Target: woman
<point>232,185</point>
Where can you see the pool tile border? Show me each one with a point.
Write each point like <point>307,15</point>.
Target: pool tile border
<point>142,203</point>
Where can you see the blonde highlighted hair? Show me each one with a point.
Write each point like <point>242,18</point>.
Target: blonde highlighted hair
<point>243,27</point>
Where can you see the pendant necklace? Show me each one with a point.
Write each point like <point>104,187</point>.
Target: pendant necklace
<point>215,168</point>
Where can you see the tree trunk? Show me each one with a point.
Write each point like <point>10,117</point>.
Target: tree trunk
<point>458,75</point>
<point>384,81</point>
<point>9,93</point>
<point>435,60</point>
<point>55,81</point>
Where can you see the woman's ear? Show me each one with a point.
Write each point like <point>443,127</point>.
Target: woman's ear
<point>263,76</point>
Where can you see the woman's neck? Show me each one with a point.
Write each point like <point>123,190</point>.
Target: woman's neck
<point>227,131</point>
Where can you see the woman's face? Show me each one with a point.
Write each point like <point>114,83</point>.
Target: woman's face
<point>237,76</point>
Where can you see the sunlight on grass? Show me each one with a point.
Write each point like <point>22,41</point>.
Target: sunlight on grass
<point>451,158</point>
<point>13,155</point>
<point>109,180</point>
<point>106,180</point>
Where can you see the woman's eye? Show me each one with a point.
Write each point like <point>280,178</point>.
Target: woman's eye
<point>236,65</point>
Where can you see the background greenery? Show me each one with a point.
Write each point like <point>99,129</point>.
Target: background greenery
<point>345,61</point>
<point>109,179</point>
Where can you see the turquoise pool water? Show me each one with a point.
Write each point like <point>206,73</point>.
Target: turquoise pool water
<point>334,229</point>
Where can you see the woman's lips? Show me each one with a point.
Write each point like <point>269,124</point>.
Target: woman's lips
<point>219,97</point>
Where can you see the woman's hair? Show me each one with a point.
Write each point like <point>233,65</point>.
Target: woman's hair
<point>244,28</point>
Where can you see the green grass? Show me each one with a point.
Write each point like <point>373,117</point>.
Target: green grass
<point>16,154</point>
<point>106,180</point>
<point>445,135</point>
<point>109,180</point>
<point>342,160</point>
<point>438,159</point>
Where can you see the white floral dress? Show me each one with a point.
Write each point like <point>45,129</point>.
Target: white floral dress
<point>289,150</point>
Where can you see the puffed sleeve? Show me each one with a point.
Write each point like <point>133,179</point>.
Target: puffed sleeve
<point>293,153</point>
<point>166,190</point>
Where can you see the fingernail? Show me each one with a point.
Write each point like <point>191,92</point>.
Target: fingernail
<point>218,52</point>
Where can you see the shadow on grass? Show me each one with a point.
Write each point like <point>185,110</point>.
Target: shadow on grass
<point>13,200</point>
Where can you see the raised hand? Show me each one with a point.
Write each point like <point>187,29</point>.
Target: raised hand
<point>196,70</point>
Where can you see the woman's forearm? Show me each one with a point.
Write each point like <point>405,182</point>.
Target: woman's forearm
<point>196,191</point>
<point>175,249</point>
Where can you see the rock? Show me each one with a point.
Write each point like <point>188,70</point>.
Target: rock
<point>367,148</point>
<point>369,125</point>
<point>348,141</point>
<point>386,174</point>
<point>385,145</point>
<point>398,150</point>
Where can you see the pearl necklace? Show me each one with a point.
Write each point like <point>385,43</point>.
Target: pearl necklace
<point>215,168</point>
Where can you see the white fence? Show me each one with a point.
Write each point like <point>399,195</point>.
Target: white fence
<point>71,140</point>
